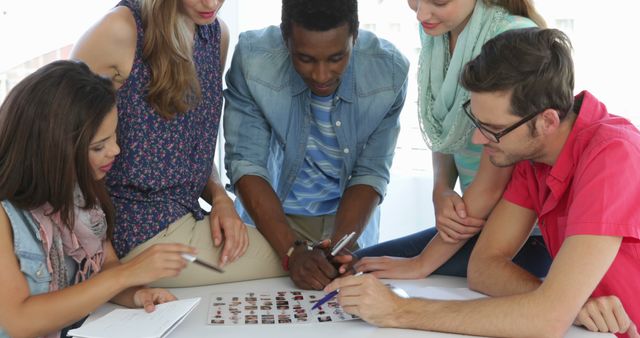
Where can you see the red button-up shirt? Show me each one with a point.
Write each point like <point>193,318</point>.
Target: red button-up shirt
<point>592,189</point>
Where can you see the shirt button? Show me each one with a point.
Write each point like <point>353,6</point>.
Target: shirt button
<point>346,150</point>
<point>338,123</point>
<point>39,273</point>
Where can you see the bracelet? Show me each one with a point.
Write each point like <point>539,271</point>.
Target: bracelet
<point>287,256</point>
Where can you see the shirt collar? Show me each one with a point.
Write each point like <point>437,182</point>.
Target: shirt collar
<point>590,110</point>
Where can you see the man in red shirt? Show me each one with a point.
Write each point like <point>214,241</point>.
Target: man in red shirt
<point>576,171</point>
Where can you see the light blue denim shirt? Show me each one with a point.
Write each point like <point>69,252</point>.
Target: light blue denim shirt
<point>27,245</point>
<point>267,114</point>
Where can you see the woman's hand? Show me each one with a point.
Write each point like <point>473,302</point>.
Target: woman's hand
<point>391,267</point>
<point>156,262</point>
<point>452,220</point>
<point>228,227</point>
<point>147,298</point>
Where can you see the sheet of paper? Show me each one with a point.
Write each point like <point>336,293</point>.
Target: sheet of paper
<point>136,323</point>
<point>272,308</point>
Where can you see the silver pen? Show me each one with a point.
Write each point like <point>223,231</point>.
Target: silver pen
<point>194,259</point>
<point>342,243</point>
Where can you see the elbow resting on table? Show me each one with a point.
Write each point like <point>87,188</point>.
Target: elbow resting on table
<point>477,274</point>
<point>21,324</point>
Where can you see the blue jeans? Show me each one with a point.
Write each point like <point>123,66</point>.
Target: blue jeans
<point>533,256</point>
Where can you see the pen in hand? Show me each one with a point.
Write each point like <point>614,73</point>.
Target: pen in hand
<point>194,259</point>
<point>342,243</point>
<point>328,296</point>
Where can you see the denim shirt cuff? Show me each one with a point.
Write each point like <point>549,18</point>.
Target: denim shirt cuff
<point>378,184</point>
<point>242,168</point>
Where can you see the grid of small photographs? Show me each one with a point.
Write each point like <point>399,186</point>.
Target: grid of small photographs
<point>272,308</point>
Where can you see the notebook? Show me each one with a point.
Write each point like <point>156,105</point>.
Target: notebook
<point>136,323</point>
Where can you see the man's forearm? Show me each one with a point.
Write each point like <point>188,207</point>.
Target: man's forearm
<point>487,187</point>
<point>491,269</point>
<point>479,202</point>
<point>499,276</point>
<point>263,205</point>
<point>517,316</point>
<point>356,205</point>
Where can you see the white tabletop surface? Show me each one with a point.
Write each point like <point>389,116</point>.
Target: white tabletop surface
<point>194,326</point>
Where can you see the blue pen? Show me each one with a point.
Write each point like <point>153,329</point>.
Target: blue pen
<point>329,296</point>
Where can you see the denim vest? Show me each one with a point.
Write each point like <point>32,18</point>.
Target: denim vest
<point>267,115</point>
<point>27,245</point>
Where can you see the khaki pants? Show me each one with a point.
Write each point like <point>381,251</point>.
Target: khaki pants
<point>259,261</point>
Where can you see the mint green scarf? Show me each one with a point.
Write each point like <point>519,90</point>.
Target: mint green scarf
<point>444,125</point>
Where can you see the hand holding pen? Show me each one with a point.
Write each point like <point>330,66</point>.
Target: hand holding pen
<point>313,268</point>
<point>329,296</point>
<point>368,298</point>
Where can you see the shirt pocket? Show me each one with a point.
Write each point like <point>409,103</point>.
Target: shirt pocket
<point>34,268</point>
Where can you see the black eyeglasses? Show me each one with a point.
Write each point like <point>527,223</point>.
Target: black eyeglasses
<point>492,136</point>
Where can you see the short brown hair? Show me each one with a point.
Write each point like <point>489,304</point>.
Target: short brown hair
<point>47,123</point>
<point>534,64</point>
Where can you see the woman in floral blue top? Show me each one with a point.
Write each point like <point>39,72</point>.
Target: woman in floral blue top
<point>166,58</point>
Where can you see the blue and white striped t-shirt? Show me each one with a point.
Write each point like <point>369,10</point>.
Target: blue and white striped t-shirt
<point>316,190</point>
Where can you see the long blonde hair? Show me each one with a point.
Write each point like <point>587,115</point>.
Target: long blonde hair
<point>168,51</point>
<point>523,8</point>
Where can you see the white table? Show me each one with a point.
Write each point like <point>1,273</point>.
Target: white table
<point>194,326</point>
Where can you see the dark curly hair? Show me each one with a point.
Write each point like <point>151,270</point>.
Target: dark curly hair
<point>319,15</point>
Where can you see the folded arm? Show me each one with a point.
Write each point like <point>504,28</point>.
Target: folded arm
<point>491,269</point>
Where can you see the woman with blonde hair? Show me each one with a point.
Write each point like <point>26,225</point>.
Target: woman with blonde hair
<point>452,32</point>
<point>166,59</point>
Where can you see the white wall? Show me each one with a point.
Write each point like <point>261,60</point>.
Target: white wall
<point>606,54</point>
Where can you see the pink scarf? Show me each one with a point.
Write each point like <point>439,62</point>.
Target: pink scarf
<point>85,243</point>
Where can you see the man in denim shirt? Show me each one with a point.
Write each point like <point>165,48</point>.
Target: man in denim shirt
<point>311,122</point>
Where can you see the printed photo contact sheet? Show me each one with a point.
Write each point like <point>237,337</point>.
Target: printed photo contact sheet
<point>273,308</point>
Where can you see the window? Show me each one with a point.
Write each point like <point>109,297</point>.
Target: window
<point>605,59</point>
